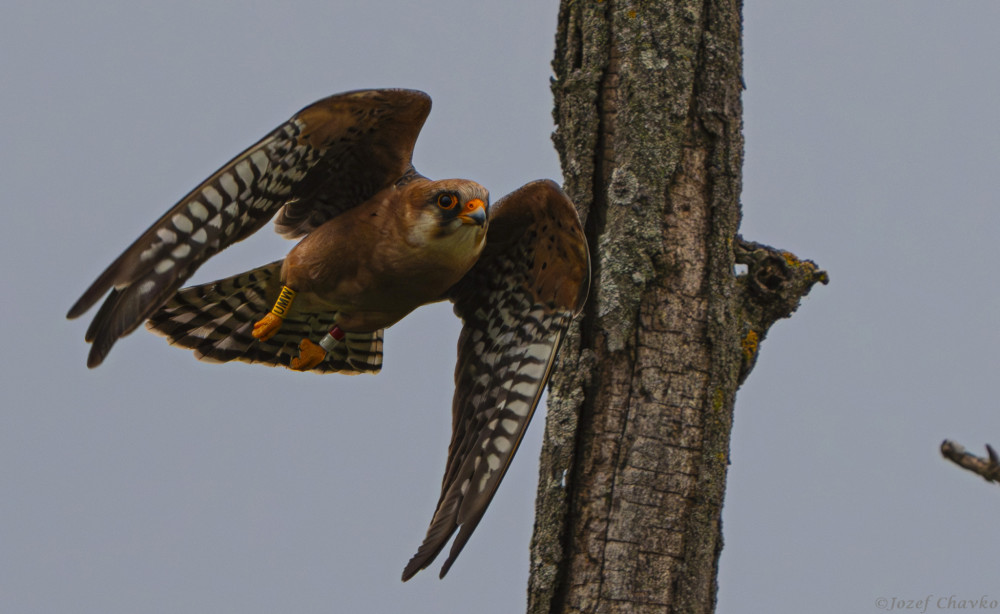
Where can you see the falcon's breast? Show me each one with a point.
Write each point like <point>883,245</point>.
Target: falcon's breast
<point>402,249</point>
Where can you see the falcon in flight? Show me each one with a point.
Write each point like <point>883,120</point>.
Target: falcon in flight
<point>378,240</point>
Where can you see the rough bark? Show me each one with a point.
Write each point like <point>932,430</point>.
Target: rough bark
<point>633,468</point>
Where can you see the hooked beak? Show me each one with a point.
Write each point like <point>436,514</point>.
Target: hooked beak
<point>474,213</point>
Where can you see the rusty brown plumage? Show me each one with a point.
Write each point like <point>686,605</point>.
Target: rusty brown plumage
<point>377,240</point>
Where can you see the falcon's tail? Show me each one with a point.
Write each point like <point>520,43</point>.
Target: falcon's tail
<point>216,319</point>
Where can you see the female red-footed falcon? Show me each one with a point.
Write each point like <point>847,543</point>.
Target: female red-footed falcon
<point>379,240</point>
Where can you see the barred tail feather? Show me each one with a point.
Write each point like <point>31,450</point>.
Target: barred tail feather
<point>216,320</point>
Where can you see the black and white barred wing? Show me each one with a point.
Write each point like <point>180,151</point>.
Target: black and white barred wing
<point>351,144</point>
<point>216,321</point>
<point>515,304</point>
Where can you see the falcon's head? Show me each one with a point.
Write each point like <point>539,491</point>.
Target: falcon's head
<point>452,213</point>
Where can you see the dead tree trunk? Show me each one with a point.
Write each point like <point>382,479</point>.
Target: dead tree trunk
<point>633,468</point>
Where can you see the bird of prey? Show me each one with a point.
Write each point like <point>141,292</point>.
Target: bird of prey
<point>378,241</point>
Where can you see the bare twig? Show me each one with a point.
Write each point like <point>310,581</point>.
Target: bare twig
<point>989,468</point>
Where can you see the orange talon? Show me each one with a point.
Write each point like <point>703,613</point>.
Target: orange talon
<point>266,327</point>
<point>309,356</point>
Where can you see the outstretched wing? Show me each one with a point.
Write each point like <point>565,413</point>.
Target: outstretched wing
<point>331,156</point>
<point>515,304</point>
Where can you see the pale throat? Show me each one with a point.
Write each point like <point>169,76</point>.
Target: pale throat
<point>455,241</point>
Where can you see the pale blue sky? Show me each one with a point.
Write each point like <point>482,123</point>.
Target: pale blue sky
<point>159,484</point>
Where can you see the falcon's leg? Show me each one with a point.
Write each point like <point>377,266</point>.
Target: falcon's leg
<point>266,327</point>
<point>311,354</point>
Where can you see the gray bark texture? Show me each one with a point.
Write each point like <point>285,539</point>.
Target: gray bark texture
<point>633,468</point>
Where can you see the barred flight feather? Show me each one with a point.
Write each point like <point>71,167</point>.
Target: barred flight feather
<point>331,156</point>
<point>216,319</point>
<point>513,321</point>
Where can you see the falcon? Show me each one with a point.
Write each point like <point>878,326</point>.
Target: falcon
<point>377,241</point>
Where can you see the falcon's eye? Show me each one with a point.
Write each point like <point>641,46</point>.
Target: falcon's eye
<point>447,201</point>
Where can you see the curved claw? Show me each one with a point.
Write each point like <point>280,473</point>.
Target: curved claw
<point>309,356</point>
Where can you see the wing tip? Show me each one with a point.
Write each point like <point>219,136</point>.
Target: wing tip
<point>411,570</point>
<point>421,561</point>
<point>447,566</point>
<point>79,308</point>
<point>98,352</point>
<point>92,294</point>
<point>426,553</point>
<point>464,533</point>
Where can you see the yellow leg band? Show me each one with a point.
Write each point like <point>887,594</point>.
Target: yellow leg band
<point>284,302</point>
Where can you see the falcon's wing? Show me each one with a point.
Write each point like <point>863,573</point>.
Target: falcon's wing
<point>331,156</point>
<point>515,304</point>
<point>216,319</point>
